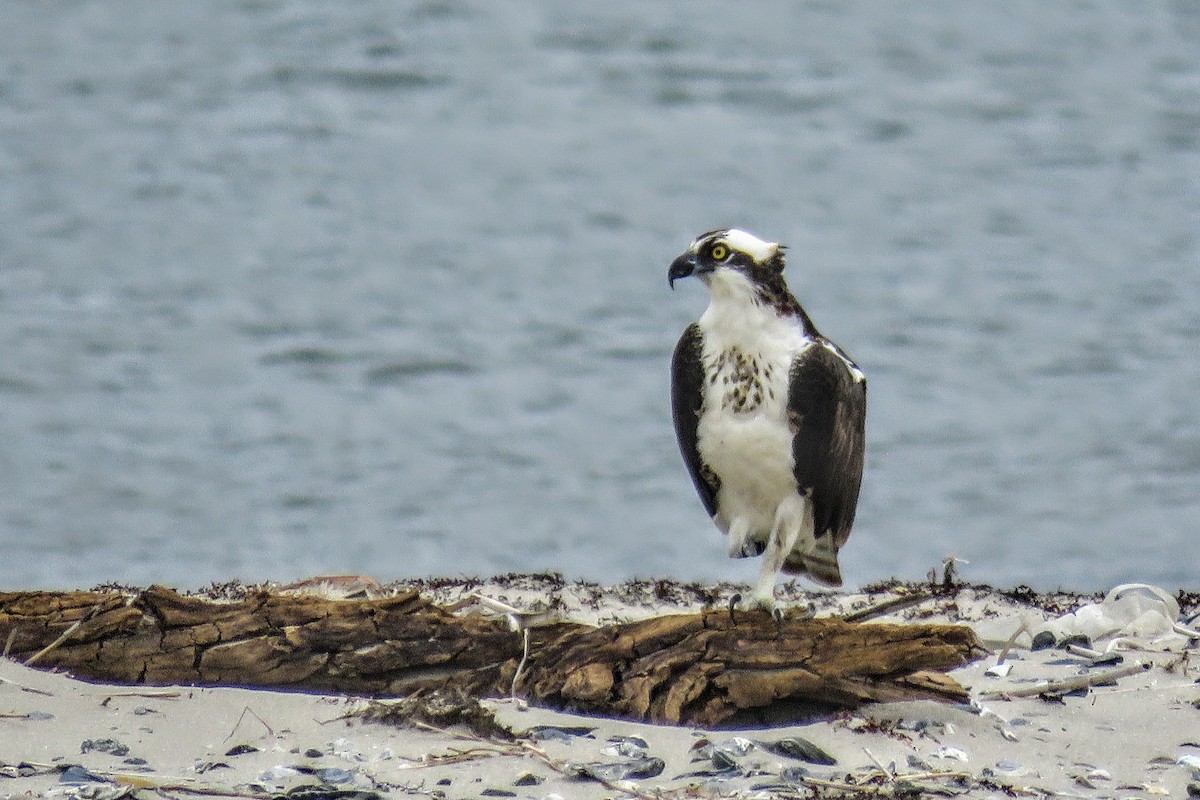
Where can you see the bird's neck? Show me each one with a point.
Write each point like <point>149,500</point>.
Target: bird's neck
<point>734,297</point>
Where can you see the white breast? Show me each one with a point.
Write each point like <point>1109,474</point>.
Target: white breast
<point>744,436</point>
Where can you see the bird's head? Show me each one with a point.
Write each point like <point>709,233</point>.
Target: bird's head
<point>727,253</point>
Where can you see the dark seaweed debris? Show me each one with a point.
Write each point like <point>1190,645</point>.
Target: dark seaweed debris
<point>438,708</point>
<point>798,748</point>
<point>607,772</point>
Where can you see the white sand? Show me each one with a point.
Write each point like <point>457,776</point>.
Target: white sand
<point>1139,738</point>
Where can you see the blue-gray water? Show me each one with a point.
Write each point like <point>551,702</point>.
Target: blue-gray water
<point>306,288</point>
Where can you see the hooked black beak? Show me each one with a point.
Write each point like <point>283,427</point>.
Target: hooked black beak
<point>681,267</point>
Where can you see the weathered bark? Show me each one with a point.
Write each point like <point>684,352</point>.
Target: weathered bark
<point>700,669</point>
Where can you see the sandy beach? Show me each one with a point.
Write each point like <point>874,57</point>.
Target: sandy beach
<point>1115,714</point>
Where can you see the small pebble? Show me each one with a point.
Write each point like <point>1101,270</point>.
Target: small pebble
<point>335,775</point>
<point>77,774</point>
<point>799,748</point>
<point>318,792</point>
<point>528,779</point>
<point>208,766</point>
<point>794,775</point>
<point>1043,641</point>
<point>241,750</point>
<point>724,761</point>
<point>497,793</point>
<point>632,770</point>
<point>313,752</point>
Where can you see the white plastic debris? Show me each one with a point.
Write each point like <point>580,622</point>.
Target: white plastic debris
<point>344,748</point>
<point>737,745</point>
<point>626,747</point>
<point>948,752</point>
<point>1000,670</point>
<point>1010,768</point>
<point>1131,610</point>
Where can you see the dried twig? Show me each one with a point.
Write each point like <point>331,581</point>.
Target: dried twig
<point>172,785</point>
<point>528,748</point>
<point>561,769</point>
<point>520,666</point>
<point>29,689</point>
<point>64,636</point>
<point>151,693</point>
<point>890,789</point>
<point>238,724</point>
<point>895,604</point>
<point>1067,684</point>
<point>1023,627</point>
<point>882,767</point>
<point>465,736</point>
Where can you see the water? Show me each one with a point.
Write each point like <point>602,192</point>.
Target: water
<point>307,288</point>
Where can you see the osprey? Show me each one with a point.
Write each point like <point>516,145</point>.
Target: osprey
<point>770,415</point>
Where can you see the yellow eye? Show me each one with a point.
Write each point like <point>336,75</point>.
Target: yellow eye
<point>718,252</point>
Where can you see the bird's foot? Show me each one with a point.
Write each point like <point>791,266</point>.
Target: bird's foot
<point>778,609</point>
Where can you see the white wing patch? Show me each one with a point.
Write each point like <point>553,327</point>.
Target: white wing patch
<point>855,372</point>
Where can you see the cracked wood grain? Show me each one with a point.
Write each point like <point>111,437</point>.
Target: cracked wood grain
<point>695,669</point>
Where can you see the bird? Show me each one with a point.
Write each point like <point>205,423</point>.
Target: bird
<point>770,415</point>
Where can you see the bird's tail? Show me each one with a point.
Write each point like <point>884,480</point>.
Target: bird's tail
<point>820,563</point>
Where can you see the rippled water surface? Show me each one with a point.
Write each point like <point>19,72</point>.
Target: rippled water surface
<point>307,288</point>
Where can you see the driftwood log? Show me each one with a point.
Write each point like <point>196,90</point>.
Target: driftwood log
<point>699,669</point>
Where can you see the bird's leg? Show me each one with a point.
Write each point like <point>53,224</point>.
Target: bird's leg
<point>785,533</point>
<point>763,595</point>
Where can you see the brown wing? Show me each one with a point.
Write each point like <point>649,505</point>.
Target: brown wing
<point>828,409</point>
<point>687,398</point>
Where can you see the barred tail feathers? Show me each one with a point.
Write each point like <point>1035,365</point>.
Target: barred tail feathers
<point>820,563</point>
